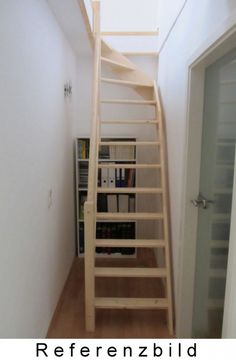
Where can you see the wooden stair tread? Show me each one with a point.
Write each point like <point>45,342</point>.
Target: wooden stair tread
<point>117,64</point>
<point>130,303</point>
<point>129,216</point>
<point>145,243</point>
<point>130,272</point>
<point>126,83</point>
<point>131,122</point>
<point>140,53</point>
<point>125,101</point>
<point>130,190</point>
<point>129,143</point>
<point>128,166</point>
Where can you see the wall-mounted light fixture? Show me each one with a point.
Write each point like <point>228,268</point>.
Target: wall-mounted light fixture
<point>68,89</point>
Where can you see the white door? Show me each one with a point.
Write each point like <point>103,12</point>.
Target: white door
<point>214,201</point>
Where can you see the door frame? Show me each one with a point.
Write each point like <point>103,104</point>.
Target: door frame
<point>215,47</point>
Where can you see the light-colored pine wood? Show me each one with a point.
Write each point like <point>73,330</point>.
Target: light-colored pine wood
<point>124,83</point>
<point>129,216</point>
<point>129,166</point>
<point>125,101</point>
<point>89,224</point>
<point>68,322</point>
<point>115,64</point>
<point>166,208</point>
<point>145,243</point>
<point>136,75</point>
<point>127,190</point>
<point>131,303</point>
<point>129,143</point>
<point>129,33</point>
<point>129,272</point>
<point>90,204</point>
<point>129,75</point>
<point>140,53</point>
<point>129,122</point>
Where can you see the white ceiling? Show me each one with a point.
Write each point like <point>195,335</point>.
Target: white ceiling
<point>69,17</point>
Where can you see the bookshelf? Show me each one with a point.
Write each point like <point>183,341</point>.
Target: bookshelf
<point>109,202</point>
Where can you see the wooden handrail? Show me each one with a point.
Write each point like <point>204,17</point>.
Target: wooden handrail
<point>90,206</point>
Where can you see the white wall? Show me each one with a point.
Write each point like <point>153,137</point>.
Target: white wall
<point>36,242</point>
<point>197,21</point>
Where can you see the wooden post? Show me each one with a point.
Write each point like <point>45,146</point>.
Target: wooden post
<point>90,206</point>
<point>89,265</point>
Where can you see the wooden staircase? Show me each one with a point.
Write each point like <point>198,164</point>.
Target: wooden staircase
<point>128,74</point>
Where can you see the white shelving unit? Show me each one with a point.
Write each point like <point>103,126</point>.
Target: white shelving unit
<point>81,171</point>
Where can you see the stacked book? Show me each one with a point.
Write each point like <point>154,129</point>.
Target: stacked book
<point>116,231</point>
<point>83,149</point>
<point>83,175</point>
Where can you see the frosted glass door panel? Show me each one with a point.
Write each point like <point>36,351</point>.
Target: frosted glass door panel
<point>216,185</point>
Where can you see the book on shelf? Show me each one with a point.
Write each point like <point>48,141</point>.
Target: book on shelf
<point>102,205</point>
<point>83,199</point>
<point>104,177</point>
<point>132,204</point>
<point>83,175</point>
<point>115,231</point>
<point>123,203</point>
<point>111,178</point>
<point>81,238</point>
<point>104,152</point>
<point>112,203</point>
<point>116,178</point>
<point>125,152</point>
<point>117,152</point>
<point>83,149</point>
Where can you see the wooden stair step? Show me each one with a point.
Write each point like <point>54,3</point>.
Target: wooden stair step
<point>129,190</point>
<point>130,243</point>
<point>130,272</point>
<point>140,53</point>
<point>117,65</point>
<point>129,143</point>
<point>129,122</point>
<point>128,166</point>
<point>125,101</point>
<point>131,303</point>
<point>129,216</point>
<point>125,82</point>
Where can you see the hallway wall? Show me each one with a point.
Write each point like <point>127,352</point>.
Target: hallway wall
<point>196,23</point>
<point>36,238</point>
